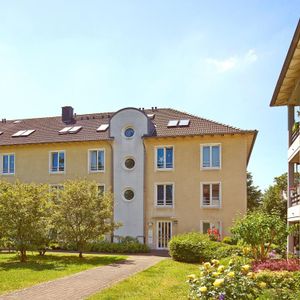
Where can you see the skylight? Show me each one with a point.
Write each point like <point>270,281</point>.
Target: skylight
<point>19,133</point>
<point>184,123</point>
<point>65,130</point>
<point>70,129</point>
<point>75,129</point>
<point>151,116</point>
<point>173,123</point>
<point>102,127</point>
<point>23,133</point>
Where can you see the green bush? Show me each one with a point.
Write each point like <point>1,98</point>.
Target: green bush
<point>189,247</point>
<point>122,247</point>
<point>282,284</point>
<point>197,247</point>
<point>229,240</point>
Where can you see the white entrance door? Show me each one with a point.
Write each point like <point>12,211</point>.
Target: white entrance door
<point>164,234</point>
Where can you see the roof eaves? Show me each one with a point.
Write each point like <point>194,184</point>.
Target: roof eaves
<point>286,64</point>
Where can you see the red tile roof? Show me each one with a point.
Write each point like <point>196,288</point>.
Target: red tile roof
<point>47,129</point>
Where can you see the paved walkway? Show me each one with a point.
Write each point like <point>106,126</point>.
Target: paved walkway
<point>86,283</point>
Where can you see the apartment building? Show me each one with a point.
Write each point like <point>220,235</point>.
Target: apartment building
<point>287,93</point>
<point>170,172</point>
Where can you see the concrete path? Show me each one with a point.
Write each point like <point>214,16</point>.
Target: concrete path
<point>86,283</point>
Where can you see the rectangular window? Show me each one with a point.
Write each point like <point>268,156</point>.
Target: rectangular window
<point>57,162</point>
<point>8,164</point>
<point>164,195</point>
<point>96,163</point>
<point>207,226</point>
<point>101,189</point>
<point>164,158</point>
<point>210,156</point>
<point>211,194</point>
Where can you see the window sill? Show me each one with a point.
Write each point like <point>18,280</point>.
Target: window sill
<point>97,171</point>
<point>58,172</point>
<point>164,169</point>
<point>7,174</point>
<point>211,206</point>
<point>210,168</point>
<point>164,206</point>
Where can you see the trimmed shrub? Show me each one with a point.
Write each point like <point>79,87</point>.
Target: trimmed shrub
<point>197,247</point>
<point>189,247</point>
<point>123,247</point>
<point>277,265</point>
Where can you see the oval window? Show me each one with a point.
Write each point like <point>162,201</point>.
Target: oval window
<point>129,132</point>
<point>129,163</point>
<point>129,194</point>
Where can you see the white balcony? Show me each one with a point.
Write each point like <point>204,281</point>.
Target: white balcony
<point>293,152</point>
<point>294,213</point>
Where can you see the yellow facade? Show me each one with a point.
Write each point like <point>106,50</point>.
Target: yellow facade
<point>32,165</point>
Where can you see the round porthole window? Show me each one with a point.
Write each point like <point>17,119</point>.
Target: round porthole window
<point>129,132</point>
<point>129,163</point>
<point>128,194</point>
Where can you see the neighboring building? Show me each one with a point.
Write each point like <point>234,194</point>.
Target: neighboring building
<point>170,172</point>
<point>287,93</point>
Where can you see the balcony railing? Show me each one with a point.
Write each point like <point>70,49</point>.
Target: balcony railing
<point>295,196</point>
<point>295,134</point>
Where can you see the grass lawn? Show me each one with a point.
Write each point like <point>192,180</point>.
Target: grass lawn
<point>15,275</point>
<point>166,280</point>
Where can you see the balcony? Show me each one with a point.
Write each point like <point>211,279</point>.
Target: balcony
<point>294,207</point>
<point>294,149</point>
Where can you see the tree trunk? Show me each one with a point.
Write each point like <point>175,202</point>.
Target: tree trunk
<point>23,256</point>
<point>80,254</point>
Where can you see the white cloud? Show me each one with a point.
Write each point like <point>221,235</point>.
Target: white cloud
<point>250,56</point>
<point>223,65</point>
<point>233,62</point>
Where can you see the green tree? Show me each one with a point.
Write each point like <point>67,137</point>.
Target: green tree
<point>260,230</point>
<point>254,194</point>
<point>273,201</point>
<point>24,215</point>
<point>82,213</point>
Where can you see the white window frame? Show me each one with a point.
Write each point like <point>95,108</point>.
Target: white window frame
<point>2,157</point>
<point>201,156</point>
<point>155,160</point>
<point>173,193</point>
<point>50,162</point>
<point>201,194</point>
<point>210,225</point>
<point>89,160</point>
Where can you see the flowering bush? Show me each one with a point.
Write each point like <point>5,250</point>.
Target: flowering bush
<point>277,265</point>
<point>221,283</point>
<point>214,234</point>
<point>282,285</point>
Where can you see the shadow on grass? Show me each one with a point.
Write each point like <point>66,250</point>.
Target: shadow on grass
<point>56,262</point>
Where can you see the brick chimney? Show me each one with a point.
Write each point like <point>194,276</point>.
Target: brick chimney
<point>67,115</point>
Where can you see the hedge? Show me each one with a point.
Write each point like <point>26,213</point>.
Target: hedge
<point>197,247</point>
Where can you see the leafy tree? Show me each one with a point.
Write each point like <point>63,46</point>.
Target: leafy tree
<point>82,214</point>
<point>24,214</point>
<point>260,230</point>
<point>273,201</point>
<point>254,194</point>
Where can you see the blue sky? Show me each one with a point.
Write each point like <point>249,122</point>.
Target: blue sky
<point>216,59</point>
